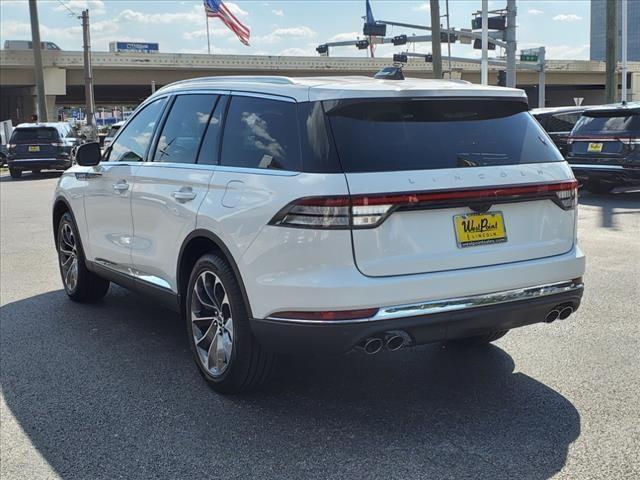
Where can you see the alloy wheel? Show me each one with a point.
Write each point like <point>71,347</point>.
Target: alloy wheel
<point>68,256</point>
<point>212,323</point>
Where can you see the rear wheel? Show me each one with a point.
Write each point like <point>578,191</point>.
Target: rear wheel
<point>224,348</point>
<point>15,173</point>
<point>598,188</point>
<point>479,339</point>
<point>36,171</point>
<point>80,284</point>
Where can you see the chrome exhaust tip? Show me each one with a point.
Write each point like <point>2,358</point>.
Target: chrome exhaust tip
<point>565,312</point>
<point>552,316</point>
<point>394,342</point>
<point>372,345</point>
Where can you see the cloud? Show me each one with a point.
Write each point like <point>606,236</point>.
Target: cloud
<point>278,13</point>
<point>129,15</point>
<point>288,32</point>
<point>235,9</point>
<point>423,7</point>
<point>96,7</point>
<point>299,52</point>
<point>344,37</point>
<point>567,18</point>
<point>567,52</point>
<point>535,11</point>
<point>213,32</point>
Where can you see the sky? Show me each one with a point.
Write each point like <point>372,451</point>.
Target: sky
<point>286,27</point>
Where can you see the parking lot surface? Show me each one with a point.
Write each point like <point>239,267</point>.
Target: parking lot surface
<point>110,390</point>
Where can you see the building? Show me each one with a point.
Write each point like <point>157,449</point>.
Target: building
<point>598,18</point>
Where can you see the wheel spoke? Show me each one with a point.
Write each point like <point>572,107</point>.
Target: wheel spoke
<point>66,252</point>
<point>202,301</point>
<point>208,335</point>
<point>212,360</point>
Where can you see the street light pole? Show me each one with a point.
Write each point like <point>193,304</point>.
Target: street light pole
<point>436,51</point>
<point>623,72</point>
<point>511,43</point>
<point>37,57</point>
<point>611,54</point>
<point>88,76</point>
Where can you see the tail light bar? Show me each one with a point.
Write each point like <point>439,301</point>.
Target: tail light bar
<point>369,211</point>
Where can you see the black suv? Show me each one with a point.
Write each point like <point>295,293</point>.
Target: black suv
<point>558,122</point>
<point>40,146</point>
<point>604,147</point>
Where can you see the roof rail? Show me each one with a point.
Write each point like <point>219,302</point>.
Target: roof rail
<point>274,79</point>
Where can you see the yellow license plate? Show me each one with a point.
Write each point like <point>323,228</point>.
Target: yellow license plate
<point>479,229</point>
<point>34,148</point>
<point>594,147</point>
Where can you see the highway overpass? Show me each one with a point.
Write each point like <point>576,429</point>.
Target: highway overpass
<point>125,78</point>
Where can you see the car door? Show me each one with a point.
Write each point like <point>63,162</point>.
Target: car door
<point>107,199</point>
<point>170,188</point>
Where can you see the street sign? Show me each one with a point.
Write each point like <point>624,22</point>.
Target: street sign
<point>134,47</point>
<point>528,57</point>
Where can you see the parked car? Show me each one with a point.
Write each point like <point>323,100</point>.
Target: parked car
<point>40,146</point>
<point>28,45</point>
<point>604,148</point>
<point>112,133</point>
<point>325,214</point>
<point>558,122</point>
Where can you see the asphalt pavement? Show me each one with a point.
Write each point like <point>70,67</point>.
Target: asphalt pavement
<point>109,391</point>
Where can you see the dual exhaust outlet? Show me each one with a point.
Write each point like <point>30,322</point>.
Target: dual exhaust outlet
<point>558,312</point>
<point>390,341</point>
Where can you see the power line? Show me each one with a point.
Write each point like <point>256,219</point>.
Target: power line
<point>67,7</point>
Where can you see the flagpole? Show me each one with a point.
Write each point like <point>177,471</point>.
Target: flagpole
<point>208,39</point>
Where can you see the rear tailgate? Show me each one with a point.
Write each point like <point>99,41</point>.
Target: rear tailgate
<point>420,240</point>
<point>448,184</point>
<point>35,142</point>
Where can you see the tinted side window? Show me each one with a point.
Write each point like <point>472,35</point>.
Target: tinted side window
<point>211,143</point>
<point>182,132</point>
<point>562,122</point>
<point>132,143</point>
<point>261,133</point>
<point>318,152</point>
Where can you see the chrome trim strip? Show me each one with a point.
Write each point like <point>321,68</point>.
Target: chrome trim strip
<point>596,167</point>
<point>451,304</point>
<point>134,274</point>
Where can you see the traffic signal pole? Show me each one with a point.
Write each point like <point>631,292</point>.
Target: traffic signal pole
<point>88,77</point>
<point>41,101</point>
<point>510,37</point>
<point>435,39</point>
<point>484,66</point>
<point>611,57</point>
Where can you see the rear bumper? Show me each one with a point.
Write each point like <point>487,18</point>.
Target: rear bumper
<point>39,163</point>
<point>422,323</point>
<point>616,174</point>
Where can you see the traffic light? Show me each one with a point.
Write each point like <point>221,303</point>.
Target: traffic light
<point>452,37</point>
<point>493,23</point>
<point>477,44</point>
<point>374,29</point>
<point>399,40</point>
<point>400,58</point>
<point>322,49</point>
<point>502,78</point>
<point>362,44</point>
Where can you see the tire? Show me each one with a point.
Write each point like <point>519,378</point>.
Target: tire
<point>15,173</point>
<point>240,363</point>
<point>37,171</point>
<point>599,188</point>
<point>479,340</point>
<point>80,284</point>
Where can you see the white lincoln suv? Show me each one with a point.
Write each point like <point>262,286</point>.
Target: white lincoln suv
<point>325,214</point>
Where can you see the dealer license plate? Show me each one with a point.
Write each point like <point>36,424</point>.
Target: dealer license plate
<point>475,229</point>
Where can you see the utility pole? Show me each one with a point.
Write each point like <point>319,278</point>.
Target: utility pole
<point>623,72</point>
<point>484,66</point>
<point>435,39</point>
<point>88,76</point>
<point>611,54</point>
<point>541,79</point>
<point>37,57</point>
<point>511,43</point>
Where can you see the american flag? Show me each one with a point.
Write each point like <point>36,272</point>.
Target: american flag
<point>217,9</point>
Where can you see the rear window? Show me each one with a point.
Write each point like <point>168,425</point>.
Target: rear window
<point>608,123</point>
<point>419,134</point>
<point>39,134</point>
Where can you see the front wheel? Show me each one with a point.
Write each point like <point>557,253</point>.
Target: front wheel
<point>478,340</point>
<point>224,348</point>
<point>15,173</point>
<point>80,284</point>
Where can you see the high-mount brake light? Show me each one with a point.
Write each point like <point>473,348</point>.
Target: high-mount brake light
<point>369,211</point>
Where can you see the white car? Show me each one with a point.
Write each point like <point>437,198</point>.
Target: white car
<point>325,214</point>
<point>112,133</point>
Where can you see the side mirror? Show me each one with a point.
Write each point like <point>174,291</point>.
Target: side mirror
<point>88,154</point>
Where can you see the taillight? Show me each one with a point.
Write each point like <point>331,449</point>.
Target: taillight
<point>369,211</point>
<point>327,316</point>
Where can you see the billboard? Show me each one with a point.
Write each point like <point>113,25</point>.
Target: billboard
<point>134,47</point>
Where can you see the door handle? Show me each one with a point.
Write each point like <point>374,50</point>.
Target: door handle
<point>121,186</point>
<point>185,194</point>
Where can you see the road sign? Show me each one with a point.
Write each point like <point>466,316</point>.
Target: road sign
<point>528,57</point>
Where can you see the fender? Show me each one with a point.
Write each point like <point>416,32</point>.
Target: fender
<point>202,233</point>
